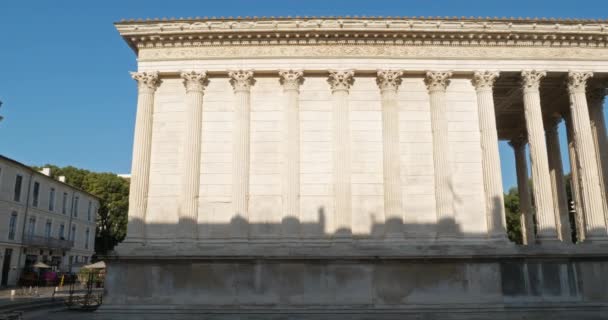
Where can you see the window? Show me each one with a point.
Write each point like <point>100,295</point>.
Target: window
<point>62,231</point>
<point>12,226</point>
<point>36,193</point>
<point>75,209</point>
<point>86,239</point>
<point>52,199</point>
<point>89,210</point>
<point>73,235</point>
<point>18,183</point>
<point>31,226</point>
<point>47,228</point>
<point>64,203</point>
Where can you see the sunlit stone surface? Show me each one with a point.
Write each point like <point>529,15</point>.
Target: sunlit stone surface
<point>349,167</point>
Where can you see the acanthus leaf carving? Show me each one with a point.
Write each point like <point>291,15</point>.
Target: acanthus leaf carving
<point>389,79</point>
<point>437,80</point>
<point>291,79</point>
<point>195,81</point>
<point>241,80</point>
<point>577,81</point>
<point>147,81</point>
<point>531,79</point>
<point>341,79</point>
<point>484,80</point>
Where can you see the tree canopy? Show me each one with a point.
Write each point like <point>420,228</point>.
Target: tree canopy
<point>113,192</point>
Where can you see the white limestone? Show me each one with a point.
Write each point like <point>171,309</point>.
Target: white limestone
<point>291,81</point>
<point>492,178</point>
<point>142,142</point>
<point>195,85</point>
<point>340,83</point>
<point>437,83</point>
<point>541,181</point>
<point>389,81</point>
<point>595,220</point>
<point>558,187</point>
<point>525,204</point>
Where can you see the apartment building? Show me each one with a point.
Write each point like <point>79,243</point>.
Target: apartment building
<point>42,219</point>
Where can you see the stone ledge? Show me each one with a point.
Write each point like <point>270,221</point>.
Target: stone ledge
<point>353,250</point>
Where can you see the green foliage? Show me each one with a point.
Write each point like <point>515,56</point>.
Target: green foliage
<point>113,192</point>
<point>513,216</point>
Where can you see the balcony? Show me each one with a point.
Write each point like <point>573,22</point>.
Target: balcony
<point>46,242</point>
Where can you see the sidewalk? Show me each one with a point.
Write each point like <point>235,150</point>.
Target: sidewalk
<point>26,298</point>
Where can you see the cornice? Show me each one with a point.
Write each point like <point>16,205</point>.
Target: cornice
<point>360,31</point>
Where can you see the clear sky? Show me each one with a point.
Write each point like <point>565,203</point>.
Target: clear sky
<point>69,100</point>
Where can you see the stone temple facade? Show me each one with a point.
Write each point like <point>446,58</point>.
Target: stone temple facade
<point>349,168</point>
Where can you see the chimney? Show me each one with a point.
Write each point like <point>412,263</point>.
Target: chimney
<point>46,171</point>
<point>61,179</point>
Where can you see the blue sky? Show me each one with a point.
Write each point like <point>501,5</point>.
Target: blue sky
<point>68,98</point>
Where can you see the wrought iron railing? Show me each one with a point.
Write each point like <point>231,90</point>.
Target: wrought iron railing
<point>48,242</point>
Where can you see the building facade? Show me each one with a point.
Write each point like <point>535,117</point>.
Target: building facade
<point>312,165</point>
<point>43,220</point>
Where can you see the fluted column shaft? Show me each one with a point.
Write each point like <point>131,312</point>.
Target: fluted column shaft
<point>241,81</point>
<point>525,204</point>
<point>291,81</point>
<point>560,200</point>
<point>575,181</point>
<point>492,178</point>
<point>437,83</point>
<point>142,145</point>
<point>340,82</point>
<point>388,81</point>
<point>598,128</point>
<point>195,83</point>
<point>585,152</point>
<point>541,179</point>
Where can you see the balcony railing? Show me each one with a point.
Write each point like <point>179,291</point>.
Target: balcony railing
<point>47,242</point>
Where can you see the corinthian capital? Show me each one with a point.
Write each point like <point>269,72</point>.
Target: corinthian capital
<point>195,81</point>
<point>146,81</point>
<point>577,81</point>
<point>437,80</point>
<point>341,80</point>
<point>531,79</point>
<point>291,79</point>
<point>389,79</point>
<point>484,79</point>
<point>241,80</point>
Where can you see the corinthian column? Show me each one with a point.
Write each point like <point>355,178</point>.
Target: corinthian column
<point>241,81</point>
<point>389,81</point>
<point>195,83</point>
<point>541,179</point>
<point>437,83</point>
<point>492,178</point>
<point>525,205</point>
<point>596,97</point>
<point>340,82</point>
<point>575,181</point>
<point>291,81</point>
<point>142,145</point>
<point>585,154</point>
<point>560,200</point>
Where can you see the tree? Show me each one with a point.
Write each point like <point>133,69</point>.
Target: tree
<point>113,192</point>
<point>513,215</point>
